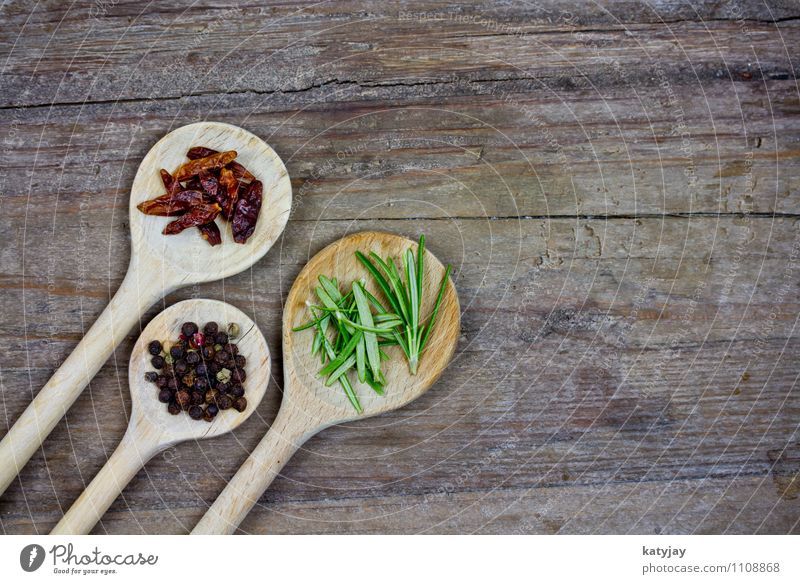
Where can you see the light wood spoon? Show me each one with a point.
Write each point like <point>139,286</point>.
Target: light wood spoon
<point>308,406</point>
<point>159,264</point>
<point>151,428</point>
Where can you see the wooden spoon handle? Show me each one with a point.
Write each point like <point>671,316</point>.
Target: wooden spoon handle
<point>134,296</point>
<point>286,435</point>
<point>131,455</point>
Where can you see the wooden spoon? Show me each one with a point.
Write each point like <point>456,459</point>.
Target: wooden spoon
<point>151,428</point>
<point>159,264</point>
<point>308,406</point>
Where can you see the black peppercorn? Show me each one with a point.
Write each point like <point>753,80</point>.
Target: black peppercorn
<point>188,329</point>
<point>188,380</point>
<point>240,404</point>
<point>154,347</point>
<point>224,402</point>
<point>183,398</point>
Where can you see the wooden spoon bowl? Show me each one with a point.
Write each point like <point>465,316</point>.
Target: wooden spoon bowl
<point>152,428</point>
<point>187,255</point>
<point>329,404</point>
<point>309,406</point>
<point>159,264</point>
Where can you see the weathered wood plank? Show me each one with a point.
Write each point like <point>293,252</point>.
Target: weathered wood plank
<point>517,511</point>
<point>634,274</point>
<point>375,45</point>
<point>608,154</point>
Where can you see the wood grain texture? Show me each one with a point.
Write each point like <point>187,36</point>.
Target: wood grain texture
<point>616,184</point>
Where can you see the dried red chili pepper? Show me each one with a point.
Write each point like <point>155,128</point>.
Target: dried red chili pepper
<point>212,162</point>
<point>210,184</point>
<point>170,205</point>
<point>228,193</point>
<point>199,215</point>
<point>246,214</point>
<point>170,183</point>
<point>193,184</point>
<point>210,233</point>
<point>239,171</point>
<point>196,152</point>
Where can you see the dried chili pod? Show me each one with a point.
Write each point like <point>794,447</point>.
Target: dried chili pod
<point>209,183</point>
<point>228,193</point>
<point>239,171</point>
<point>170,183</point>
<point>246,214</point>
<point>210,233</point>
<point>196,152</point>
<point>199,215</point>
<point>194,184</point>
<point>212,162</point>
<point>170,205</point>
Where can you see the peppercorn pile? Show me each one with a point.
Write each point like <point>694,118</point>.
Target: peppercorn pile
<point>212,184</point>
<point>201,373</point>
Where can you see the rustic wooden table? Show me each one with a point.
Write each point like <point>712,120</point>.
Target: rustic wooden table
<point>616,184</point>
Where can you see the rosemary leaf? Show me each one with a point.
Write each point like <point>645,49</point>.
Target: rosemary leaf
<point>361,361</point>
<point>370,340</point>
<point>439,297</point>
<point>341,370</point>
<point>345,354</point>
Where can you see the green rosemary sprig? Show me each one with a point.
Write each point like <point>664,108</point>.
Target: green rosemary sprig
<point>350,329</point>
<point>405,297</point>
<point>357,336</point>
